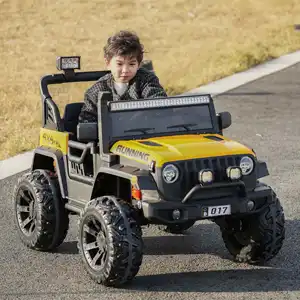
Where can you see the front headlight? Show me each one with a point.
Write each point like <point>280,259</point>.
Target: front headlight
<point>246,165</point>
<point>170,173</point>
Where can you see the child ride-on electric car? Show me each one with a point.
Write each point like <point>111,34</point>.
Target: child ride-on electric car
<point>151,161</point>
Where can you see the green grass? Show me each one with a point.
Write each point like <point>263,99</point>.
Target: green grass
<point>190,43</point>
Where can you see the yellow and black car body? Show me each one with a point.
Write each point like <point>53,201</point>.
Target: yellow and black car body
<point>162,161</point>
<point>151,153</point>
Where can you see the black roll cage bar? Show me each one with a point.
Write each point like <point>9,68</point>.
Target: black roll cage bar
<point>51,117</point>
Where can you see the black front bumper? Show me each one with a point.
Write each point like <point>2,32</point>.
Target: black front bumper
<point>193,207</point>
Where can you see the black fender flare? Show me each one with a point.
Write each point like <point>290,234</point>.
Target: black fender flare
<point>261,169</point>
<point>59,159</point>
<point>140,178</point>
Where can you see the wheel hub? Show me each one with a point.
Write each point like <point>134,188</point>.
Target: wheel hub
<point>101,241</point>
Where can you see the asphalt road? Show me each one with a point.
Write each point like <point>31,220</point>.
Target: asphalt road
<point>195,266</point>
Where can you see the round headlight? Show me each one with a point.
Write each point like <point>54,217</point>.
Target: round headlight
<point>170,173</point>
<point>246,165</point>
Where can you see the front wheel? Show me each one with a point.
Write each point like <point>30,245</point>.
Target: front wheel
<point>110,241</point>
<point>258,238</point>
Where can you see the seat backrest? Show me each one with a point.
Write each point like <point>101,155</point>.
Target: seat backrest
<point>70,118</point>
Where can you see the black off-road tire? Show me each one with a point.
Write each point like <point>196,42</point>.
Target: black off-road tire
<point>40,216</point>
<point>261,238</point>
<point>177,228</point>
<point>110,241</point>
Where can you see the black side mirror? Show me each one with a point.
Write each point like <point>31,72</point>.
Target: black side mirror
<point>224,119</point>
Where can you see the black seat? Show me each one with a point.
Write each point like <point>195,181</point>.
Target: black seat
<point>70,118</point>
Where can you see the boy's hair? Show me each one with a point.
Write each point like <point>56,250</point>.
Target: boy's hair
<point>124,43</point>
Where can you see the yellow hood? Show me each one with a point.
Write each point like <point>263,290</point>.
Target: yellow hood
<point>181,147</point>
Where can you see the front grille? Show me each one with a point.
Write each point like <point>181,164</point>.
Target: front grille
<point>191,168</point>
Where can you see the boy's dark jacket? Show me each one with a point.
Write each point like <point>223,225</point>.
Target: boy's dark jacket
<point>145,84</point>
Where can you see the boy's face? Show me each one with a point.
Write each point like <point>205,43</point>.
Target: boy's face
<point>123,68</point>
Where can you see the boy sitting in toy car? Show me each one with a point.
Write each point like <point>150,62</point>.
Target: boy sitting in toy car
<point>123,55</point>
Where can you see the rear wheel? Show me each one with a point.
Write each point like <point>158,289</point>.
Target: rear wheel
<point>40,215</point>
<point>110,241</point>
<point>256,239</point>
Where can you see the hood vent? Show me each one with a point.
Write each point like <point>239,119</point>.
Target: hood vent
<point>214,138</point>
<point>149,143</point>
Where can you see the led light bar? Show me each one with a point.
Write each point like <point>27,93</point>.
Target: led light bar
<point>68,62</point>
<point>155,103</point>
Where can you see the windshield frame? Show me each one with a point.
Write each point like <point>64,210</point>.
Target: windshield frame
<point>139,136</point>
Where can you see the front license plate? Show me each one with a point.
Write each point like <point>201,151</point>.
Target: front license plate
<point>215,211</point>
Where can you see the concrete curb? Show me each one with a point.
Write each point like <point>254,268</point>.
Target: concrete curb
<point>15,164</point>
<point>23,161</point>
<point>231,82</point>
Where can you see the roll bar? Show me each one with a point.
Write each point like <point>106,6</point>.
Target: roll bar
<point>51,117</point>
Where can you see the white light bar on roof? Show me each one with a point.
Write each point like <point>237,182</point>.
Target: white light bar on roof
<point>155,103</point>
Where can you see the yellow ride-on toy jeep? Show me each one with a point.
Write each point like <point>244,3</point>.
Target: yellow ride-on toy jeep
<point>152,161</point>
